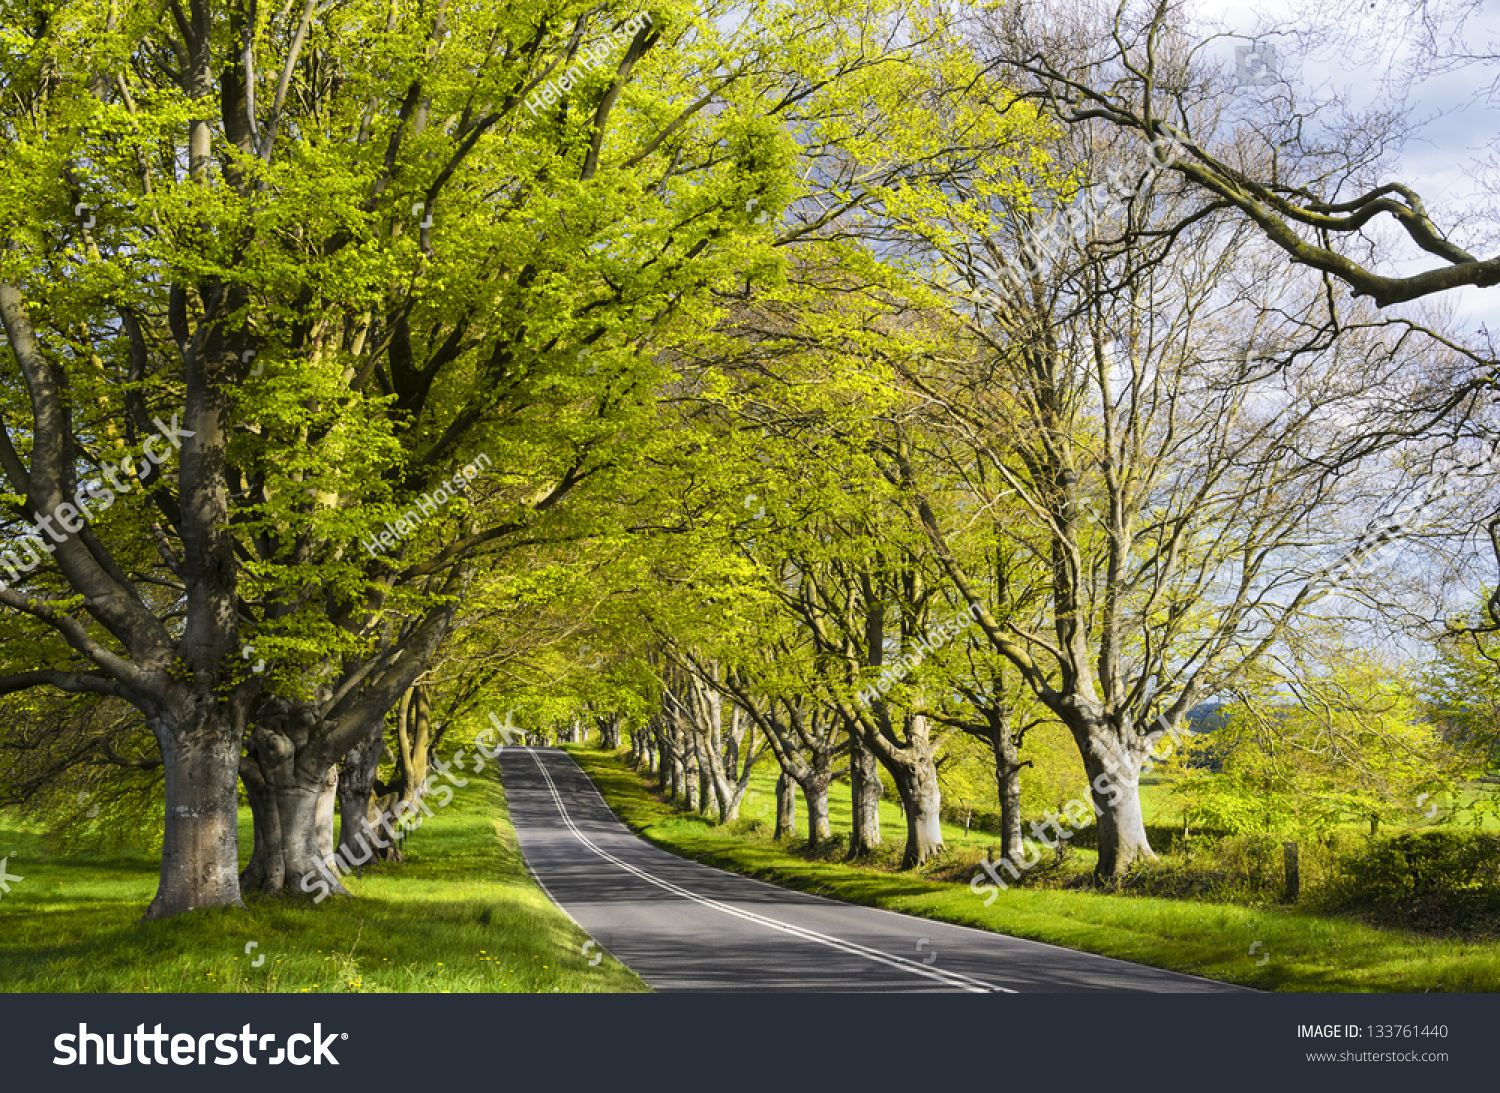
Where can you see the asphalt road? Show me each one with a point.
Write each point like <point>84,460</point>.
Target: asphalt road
<point>682,926</point>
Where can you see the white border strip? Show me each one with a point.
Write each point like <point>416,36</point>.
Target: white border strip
<point>947,978</point>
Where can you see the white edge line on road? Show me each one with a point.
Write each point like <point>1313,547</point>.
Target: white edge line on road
<point>534,875</point>
<point>980,930</point>
<point>948,978</point>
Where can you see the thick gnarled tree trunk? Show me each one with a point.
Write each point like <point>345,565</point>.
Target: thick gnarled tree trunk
<point>200,843</point>
<point>915,775</point>
<point>361,841</point>
<point>1114,772</point>
<point>815,796</point>
<point>295,744</point>
<point>291,791</point>
<point>609,731</point>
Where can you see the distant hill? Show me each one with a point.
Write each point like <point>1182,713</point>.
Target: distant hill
<point>1208,716</point>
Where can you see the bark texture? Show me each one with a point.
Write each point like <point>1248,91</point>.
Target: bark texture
<point>200,845</point>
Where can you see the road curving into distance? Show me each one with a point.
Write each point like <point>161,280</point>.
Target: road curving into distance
<point>683,926</point>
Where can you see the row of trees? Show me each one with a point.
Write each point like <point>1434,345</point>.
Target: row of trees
<point>845,380</point>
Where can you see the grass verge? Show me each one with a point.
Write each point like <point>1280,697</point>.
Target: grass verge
<point>1296,951</point>
<point>461,914</point>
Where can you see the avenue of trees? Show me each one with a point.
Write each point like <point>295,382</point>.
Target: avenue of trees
<point>867,392</point>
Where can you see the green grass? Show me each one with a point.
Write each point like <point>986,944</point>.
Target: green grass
<point>1158,806</point>
<point>1307,952</point>
<point>760,804</point>
<point>462,914</point>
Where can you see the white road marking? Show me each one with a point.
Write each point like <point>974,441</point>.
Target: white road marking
<point>953,979</point>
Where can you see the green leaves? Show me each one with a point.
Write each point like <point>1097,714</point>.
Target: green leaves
<point>1344,746</point>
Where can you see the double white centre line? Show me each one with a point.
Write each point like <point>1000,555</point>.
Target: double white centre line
<point>939,975</point>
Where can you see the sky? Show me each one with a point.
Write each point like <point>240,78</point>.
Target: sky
<point>1358,48</point>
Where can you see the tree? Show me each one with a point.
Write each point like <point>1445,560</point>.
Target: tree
<point>1140,69</point>
<point>1338,736</point>
<point>333,351</point>
<point>1460,687</point>
<point>1318,190</point>
<point>67,316</point>
<point>541,359</point>
<point>1180,495</point>
<point>771,680</point>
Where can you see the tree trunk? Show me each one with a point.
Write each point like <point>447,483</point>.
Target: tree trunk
<point>290,790</point>
<point>726,795</point>
<point>922,800</point>
<point>707,795</point>
<point>689,774</point>
<point>609,732</point>
<point>359,840</point>
<point>323,812</point>
<point>1008,784</point>
<point>413,740</point>
<point>866,790</point>
<point>1114,785</point>
<point>815,794</point>
<point>670,776</point>
<point>726,803</point>
<point>298,861</point>
<point>731,753</point>
<point>200,844</point>
<point>263,871</point>
<point>786,807</point>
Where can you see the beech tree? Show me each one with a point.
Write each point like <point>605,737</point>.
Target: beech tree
<point>1310,172</point>
<point>799,724</point>
<point>281,234</point>
<point>521,338</point>
<point>1326,736</point>
<point>1185,499</point>
<point>1148,70</point>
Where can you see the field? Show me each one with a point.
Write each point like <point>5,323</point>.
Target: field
<point>462,914</point>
